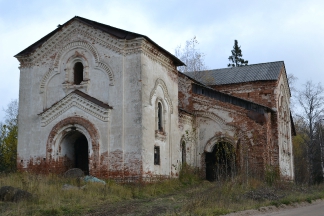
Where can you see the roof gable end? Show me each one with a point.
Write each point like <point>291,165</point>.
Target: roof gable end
<point>116,33</point>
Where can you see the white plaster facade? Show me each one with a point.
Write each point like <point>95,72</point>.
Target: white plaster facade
<point>126,77</point>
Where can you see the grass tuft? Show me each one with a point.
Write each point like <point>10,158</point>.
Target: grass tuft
<point>188,195</point>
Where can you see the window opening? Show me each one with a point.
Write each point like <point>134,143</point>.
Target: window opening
<point>160,127</point>
<point>183,146</point>
<point>156,155</point>
<point>78,73</point>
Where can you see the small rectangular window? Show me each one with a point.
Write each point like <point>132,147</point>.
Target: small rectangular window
<point>156,155</point>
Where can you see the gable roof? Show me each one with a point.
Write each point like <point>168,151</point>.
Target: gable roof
<point>85,96</point>
<point>79,99</point>
<point>248,73</point>
<point>115,32</point>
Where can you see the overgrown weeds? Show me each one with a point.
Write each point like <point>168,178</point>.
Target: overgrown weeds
<point>188,175</point>
<point>187,195</point>
<point>50,199</point>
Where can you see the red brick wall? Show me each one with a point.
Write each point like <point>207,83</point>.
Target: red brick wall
<point>261,92</point>
<point>261,147</point>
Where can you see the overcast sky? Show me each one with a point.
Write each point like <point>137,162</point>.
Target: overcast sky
<point>267,30</point>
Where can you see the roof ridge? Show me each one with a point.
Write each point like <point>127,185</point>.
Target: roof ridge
<point>115,32</point>
<point>256,72</point>
<point>92,21</point>
<point>235,67</point>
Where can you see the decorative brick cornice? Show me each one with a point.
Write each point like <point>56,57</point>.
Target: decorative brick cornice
<point>74,100</point>
<point>154,54</point>
<point>70,37</point>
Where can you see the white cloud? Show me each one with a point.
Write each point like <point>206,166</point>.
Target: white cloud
<point>267,30</point>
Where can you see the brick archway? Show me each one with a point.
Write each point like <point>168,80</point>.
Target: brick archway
<point>219,138</point>
<point>224,164</point>
<point>58,163</point>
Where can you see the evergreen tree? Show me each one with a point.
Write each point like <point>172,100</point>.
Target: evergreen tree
<point>236,57</point>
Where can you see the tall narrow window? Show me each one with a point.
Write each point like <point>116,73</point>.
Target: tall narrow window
<point>184,153</point>
<point>156,155</point>
<point>160,127</point>
<point>78,73</point>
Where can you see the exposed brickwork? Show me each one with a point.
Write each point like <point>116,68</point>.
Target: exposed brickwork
<point>261,92</point>
<point>123,166</point>
<point>121,136</point>
<point>253,130</point>
<point>62,164</point>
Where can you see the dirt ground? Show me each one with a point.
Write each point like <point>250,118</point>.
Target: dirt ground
<point>292,209</point>
<point>170,204</point>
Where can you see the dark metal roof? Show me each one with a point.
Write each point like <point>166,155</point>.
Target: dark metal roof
<point>248,73</point>
<point>115,32</point>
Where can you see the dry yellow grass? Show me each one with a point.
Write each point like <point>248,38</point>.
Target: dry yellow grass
<point>50,199</point>
<point>184,196</point>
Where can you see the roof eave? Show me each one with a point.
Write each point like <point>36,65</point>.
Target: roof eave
<point>30,49</point>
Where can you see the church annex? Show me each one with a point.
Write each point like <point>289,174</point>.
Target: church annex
<point>112,103</point>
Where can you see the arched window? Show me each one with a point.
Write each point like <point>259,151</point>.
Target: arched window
<point>160,119</point>
<point>78,73</point>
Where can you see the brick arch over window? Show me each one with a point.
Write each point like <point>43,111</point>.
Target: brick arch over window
<point>74,45</point>
<point>167,98</point>
<point>92,132</point>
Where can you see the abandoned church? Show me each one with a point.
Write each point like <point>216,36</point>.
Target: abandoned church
<point>112,103</point>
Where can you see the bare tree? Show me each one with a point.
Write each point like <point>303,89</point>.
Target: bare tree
<point>291,82</point>
<point>311,100</point>
<point>192,57</point>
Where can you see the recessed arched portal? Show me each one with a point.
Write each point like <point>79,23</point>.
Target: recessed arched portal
<point>75,147</point>
<point>221,162</point>
<point>73,142</point>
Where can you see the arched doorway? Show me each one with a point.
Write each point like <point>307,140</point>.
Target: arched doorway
<point>61,141</point>
<point>75,147</point>
<point>221,162</point>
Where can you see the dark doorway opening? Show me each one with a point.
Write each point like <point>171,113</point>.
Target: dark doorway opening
<point>81,154</point>
<point>220,163</point>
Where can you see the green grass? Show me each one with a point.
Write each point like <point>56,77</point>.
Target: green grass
<point>184,196</point>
